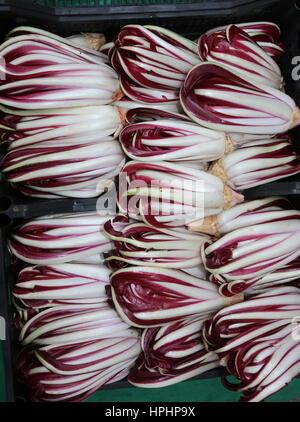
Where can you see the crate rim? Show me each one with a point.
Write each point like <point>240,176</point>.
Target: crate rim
<point>20,209</point>
<point>34,8</point>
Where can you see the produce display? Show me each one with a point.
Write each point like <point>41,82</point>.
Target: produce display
<point>46,71</point>
<point>62,152</point>
<point>236,49</point>
<point>72,350</point>
<point>257,342</point>
<point>142,244</point>
<point>185,276</point>
<point>171,137</point>
<point>172,353</point>
<point>150,297</point>
<point>55,239</point>
<point>258,162</point>
<point>152,62</point>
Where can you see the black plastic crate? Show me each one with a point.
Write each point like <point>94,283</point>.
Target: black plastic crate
<point>15,391</point>
<point>53,16</point>
<point>5,5</point>
<point>69,16</point>
<point>18,392</point>
<point>190,18</point>
<point>67,11</point>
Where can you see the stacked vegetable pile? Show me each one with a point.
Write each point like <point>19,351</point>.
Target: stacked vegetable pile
<point>203,277</point>
<point>236,117</point>
<point>74,341</point>
<point>58,124</point>
<point>258,342</point>
<point>253,248</point>
<point>264,237</point>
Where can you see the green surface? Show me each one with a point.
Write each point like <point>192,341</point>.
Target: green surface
<point>209,390</point>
